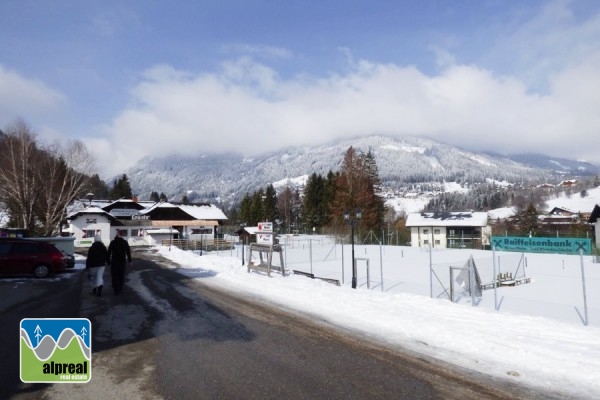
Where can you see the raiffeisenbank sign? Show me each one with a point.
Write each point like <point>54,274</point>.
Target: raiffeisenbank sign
<point>542,244</point>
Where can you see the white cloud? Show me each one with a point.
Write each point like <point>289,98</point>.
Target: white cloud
<point>246,106</point>
<point>25,98</point>
<point>258,50</point>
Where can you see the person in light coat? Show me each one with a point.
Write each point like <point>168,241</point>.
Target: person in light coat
<point>95,263</point>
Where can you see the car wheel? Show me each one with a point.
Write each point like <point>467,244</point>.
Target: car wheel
<point>41,271</point>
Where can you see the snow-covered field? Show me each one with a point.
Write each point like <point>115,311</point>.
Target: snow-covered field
<point>536,336</point>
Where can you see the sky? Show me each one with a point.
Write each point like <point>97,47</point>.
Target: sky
<point>149,78</point>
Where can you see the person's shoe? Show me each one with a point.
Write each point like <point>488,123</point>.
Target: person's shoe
<point>94,291</point>
<point>100,290</point>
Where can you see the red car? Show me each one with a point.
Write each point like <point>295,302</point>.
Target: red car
<point>22,256</point>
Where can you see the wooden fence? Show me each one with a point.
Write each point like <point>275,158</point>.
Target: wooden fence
<point>205,244</point>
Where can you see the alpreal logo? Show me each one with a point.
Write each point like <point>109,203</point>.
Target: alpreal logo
<point>56,350</point>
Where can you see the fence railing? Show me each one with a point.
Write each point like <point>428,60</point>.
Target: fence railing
<point>211,244</point>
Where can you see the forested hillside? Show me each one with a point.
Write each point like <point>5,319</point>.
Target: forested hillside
<point>226,178</point>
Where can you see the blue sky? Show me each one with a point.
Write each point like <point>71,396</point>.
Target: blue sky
<point>143,78</point>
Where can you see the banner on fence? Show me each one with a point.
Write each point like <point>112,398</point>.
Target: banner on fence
<point>542,244</point>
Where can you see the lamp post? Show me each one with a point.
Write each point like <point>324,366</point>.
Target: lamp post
<point>242,237</point>
<point>90,196</point>
<point>352,221</point>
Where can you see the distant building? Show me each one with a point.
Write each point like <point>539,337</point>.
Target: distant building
<point>449,229</point>
<point>594,215</point>
<point>142,223</point>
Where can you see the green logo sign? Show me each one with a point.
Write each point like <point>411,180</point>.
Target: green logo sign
<point>542,244</point>
<point>56,350</point>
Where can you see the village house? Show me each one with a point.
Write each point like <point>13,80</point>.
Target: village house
<point>142,223</point>
<point>449,229</point>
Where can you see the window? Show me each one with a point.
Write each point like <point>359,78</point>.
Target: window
<point>137,232</point>
<point>425,241</point>
<point>88,233</point>
<point>122,232</point>
<point>437,242</point>
<point>202,231</point>
<point>425,231</point>
<point>436,231</point>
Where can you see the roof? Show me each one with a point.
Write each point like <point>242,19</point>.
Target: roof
<point>91,211</point>
<point>446,218</point>
<point>253,230</point>
<point>124,203</point>
<point>208,211</point>
<point>162,231</point>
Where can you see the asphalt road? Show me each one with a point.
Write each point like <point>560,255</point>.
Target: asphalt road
<point>168,336</point>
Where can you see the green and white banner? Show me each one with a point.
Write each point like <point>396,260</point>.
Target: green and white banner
<point>542,244</point>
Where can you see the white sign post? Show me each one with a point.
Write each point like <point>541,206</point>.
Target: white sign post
<point>264,235</point>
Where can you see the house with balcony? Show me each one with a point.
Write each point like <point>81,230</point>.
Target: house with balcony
<point>449,229</point>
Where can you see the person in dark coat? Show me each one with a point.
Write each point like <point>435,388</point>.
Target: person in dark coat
<point>95,263</point>
<point>119,254</point>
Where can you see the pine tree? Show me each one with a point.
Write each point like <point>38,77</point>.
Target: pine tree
<point>314,202</point>
<point>121,188</point>
<point>257,210</point>
<point>529,220</point>
<point>246,210</point>
<point>271,213</point>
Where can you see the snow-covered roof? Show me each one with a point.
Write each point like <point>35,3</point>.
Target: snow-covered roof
<point>207,212</point>
<point>502,213</point>
<point>88,210</point>
<point>467,218</point>
<point>162,231</point>
<point>251,229</point>
<point>157,205</point>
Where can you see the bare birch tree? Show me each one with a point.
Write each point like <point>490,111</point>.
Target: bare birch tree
<point>18,192</point>
<point>37,183</point>
<point>63,174</point>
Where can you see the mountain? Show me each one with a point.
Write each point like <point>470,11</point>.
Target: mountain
<point>401,161</point>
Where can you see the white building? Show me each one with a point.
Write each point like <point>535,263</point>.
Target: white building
<point>449,229</point>
<point>143,223</point>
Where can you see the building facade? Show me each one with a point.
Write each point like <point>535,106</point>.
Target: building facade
<point>142,223</point>
<point>449,229</point>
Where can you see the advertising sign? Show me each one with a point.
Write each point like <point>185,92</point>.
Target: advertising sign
<point>264,235</point>
<point>265,227</point>
<point>56,350</point>
<point>542,244</point>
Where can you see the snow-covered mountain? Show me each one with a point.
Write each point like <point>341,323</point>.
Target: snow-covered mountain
<point>401,162</point>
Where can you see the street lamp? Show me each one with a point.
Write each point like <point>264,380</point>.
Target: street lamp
<point>90,196</point>
<point>242,237</point>
<point>352,221</point>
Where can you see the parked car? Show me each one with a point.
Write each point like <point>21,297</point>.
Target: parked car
<point>22,256</point>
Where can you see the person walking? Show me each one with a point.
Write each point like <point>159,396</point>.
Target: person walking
<point>119,254</point>
<point>95,263</point>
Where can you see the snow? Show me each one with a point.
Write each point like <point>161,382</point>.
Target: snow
<point>537,336</point>
<point>575,202</point>
<point>502,213</point>
<point>291,182</point>
<point>404,205</point>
